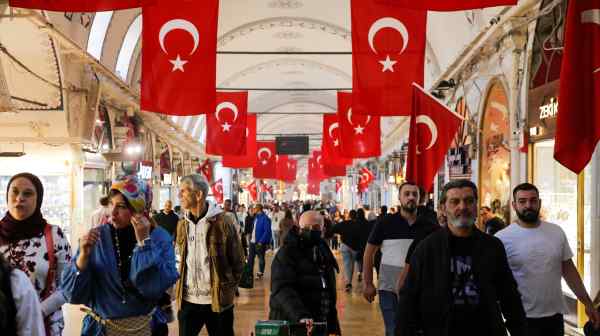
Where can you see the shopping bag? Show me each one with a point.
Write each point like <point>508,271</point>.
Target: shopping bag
<point>247,280</point>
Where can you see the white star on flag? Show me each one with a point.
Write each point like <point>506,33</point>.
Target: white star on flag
<point>178,64</point>
<point>336,143</point>
<point>388,64</point>
<point>226,126</point>
<point>264,162</point>
<point>359,129</point>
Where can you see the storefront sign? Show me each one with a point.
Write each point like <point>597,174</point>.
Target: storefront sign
<point>543,111</point>
<point>549,110</point>
<point>145,172</point>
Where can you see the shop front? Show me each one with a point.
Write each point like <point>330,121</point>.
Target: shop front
<point>566,197</point>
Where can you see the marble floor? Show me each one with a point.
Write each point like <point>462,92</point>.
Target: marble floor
<point>357,316</point>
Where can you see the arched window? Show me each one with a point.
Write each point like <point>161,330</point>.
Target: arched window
<point>128,47</point>
<point>98,33</point>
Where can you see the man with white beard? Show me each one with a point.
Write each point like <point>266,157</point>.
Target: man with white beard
<point>457,277</point>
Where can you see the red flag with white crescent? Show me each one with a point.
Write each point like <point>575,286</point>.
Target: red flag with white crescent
<point>79,5</point>
<point>206,169</point>
<point>448,5</point>
<point>179,57</point>
<point>252,190</point>
<point>286,168</point>
<point>217,190</point>
<point>433,127</point>
<point>226,127</point>
<point>313,188</point>
<point>338,186</point>
<point>332,144</point>
<point>577,125</point>
<point>364,179</point>
<point>388,54</point>
<point>266,166</point>
<point>249,159</point>
<point>360,134</point>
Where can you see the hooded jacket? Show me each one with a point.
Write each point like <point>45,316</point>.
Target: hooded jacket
<point>225,257</point>
<point>263,229</point>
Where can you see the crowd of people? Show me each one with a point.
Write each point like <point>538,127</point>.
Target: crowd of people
<point>437,273</point>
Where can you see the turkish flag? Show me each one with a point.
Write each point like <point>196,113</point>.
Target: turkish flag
<point>334,170</point>
<point>331,146</point>
<point>447,5</point>
<point>79,5</point>
<point>388,54</point>
<point>365,178</point>
<point>338,186</point>
<point>249,159</point>
<point>432,129</point>
<point>313,188</point>
<point>206,169</point>
<point>266,165</point>
<point>179,57</point>
<point>315,172</point>
<point>361,134</point>
<point>252,190</point>
<point>577,128</point>
<point>217,190</point>
<point>226,127</point>
<point>286,168</point>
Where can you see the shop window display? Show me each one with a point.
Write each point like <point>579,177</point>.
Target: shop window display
<point>558,192</point>
<point>56,204</point>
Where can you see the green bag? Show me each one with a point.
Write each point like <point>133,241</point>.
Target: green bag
<point>247,280</point>
<point>272,328</point>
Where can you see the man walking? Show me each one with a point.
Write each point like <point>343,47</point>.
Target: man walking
<point>393,235</point>
<point>539,256</point>
<point>260,239</point>
<point>276,217</point>
<point>211,264</point>
<point>459,282</point>
<point>167,219</point>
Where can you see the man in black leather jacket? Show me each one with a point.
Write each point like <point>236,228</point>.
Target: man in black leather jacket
<point>303,271</point>
<point>459,282</point>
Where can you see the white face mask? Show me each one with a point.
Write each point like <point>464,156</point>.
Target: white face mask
<point>462,222</point>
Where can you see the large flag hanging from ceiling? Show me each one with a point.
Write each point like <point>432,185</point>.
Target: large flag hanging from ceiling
<point>206,168</point>
<point>365,177</point>
<point>577,126</point>
<point>226,127</point>
<point>447,5</point>
<point>432,128</point>
<point>332,170</point>
<point>388,54</point>
<point>252,190</point>
<point>313,188</point>
<point>360,134</point>
<point>315,173</point>
<point>217,190</point>
<point>266,165</point>
<point>248,160</point>
<point>179,57</point>
<point>331,146</point>
<point>79,5</point>
<point>286,168</point>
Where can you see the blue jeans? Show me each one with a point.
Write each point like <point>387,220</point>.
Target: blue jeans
<point>388,303</point>
<point>260,252</point>
<point>348,257</point>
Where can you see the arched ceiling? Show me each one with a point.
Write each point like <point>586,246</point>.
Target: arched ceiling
<point>275,26</point>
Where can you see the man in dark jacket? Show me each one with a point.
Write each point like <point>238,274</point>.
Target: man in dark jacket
<point>303,287</point>
<point>459,282</point>
<point>167,219</point>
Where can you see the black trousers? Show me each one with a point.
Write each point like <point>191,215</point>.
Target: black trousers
<point>193,317</point>
<point>546,326</point>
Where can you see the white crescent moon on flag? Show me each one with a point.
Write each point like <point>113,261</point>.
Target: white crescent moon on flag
<point>332,127</point>
<point>230,106</point>
<point>179,24</point>
<point>427,121</point>
<point>319,159</point>
<point>350,118</point>
<point>388,22</point>
<point>264,150</point>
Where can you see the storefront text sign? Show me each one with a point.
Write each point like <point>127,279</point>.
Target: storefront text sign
<point>549,110</point>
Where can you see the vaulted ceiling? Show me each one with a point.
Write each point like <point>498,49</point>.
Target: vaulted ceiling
<point>271,26</point>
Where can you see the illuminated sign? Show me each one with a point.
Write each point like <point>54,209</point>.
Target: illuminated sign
<point>549,110</point>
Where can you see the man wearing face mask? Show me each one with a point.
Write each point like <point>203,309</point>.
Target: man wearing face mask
<point>539,256</point>
<point>303,287</point>
<point>459,282</point>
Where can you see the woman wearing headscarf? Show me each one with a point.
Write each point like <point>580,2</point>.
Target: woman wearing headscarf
<point>35,247</point>
<point>122,268</point>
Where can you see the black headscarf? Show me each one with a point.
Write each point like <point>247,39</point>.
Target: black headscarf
<point>12,230</point>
